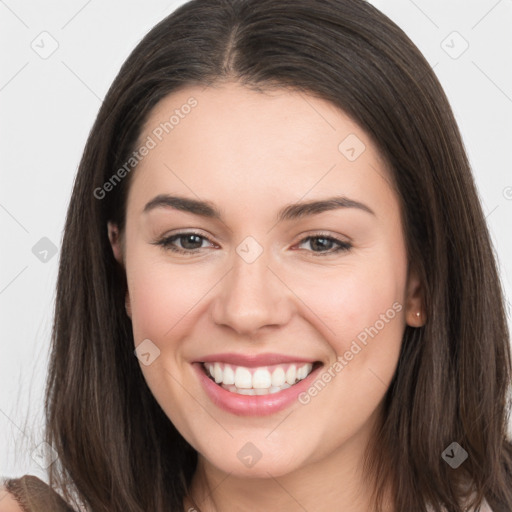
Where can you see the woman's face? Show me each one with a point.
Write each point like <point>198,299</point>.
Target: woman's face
<point>267,290</point>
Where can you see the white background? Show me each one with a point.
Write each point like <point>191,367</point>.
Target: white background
<point>48,107</point>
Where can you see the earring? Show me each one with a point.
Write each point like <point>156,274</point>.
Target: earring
<point>418,313</point>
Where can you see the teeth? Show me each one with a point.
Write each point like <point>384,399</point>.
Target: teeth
<point>257,381</point>
<point>291,373</point>
<point>261,379</point>
<point>302,373</point>
<point>256,391</point>
<point>243,378</point>
<point>217,373</point>
<point>228,376</point>
<point>278,377</point>
<point>245,391</point>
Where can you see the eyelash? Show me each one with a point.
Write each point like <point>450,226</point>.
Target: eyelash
<point>167,242</point>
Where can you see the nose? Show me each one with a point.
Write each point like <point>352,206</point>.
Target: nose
<point>252,296</point>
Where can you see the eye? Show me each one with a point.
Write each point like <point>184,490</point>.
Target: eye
<point>190,242</point>
<point>324,245</point>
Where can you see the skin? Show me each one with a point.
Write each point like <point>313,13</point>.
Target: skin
<point>251,153</point>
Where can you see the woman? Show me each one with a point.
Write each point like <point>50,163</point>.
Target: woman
<point>277,289</point>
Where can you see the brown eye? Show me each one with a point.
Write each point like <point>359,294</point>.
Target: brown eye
<point>189,243</point>
<point>324,245</point>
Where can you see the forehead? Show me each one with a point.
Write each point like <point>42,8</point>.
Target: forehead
<point>231,141</point>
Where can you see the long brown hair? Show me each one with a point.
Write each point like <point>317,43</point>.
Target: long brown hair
<point>117,450</point>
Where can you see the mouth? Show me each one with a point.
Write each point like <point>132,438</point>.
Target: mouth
<point>260,380</point>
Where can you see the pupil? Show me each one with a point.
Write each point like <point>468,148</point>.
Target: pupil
<point>190,239</point>
<point>322,244</point>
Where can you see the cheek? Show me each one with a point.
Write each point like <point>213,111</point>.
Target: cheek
<point>357,299</point>
<point>164,299</point>
<point>362,318</point>
<point>162,295</point>
<point>372,323</point>
<point>362,313</point>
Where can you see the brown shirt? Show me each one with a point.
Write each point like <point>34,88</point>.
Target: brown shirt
<point>34,495</point>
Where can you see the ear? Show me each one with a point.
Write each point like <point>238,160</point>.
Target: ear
<point>115,242</point>
<point>117,248</point>
<point>128,305</point>
<point>415,308</point>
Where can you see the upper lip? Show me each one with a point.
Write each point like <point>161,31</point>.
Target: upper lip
<point>254,360</point>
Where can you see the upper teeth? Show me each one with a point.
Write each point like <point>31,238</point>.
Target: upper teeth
<point>264,377</point>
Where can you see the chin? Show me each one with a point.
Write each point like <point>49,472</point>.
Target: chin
<point>245,459</point>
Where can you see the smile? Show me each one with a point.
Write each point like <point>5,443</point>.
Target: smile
<point>262,380</point>
<point>255,384</point>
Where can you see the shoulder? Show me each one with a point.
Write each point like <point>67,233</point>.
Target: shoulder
<point>484,507</point>
<point>8,502</point>
<point>29,494</point>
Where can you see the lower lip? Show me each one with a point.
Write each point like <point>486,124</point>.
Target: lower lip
<point>252,405</point>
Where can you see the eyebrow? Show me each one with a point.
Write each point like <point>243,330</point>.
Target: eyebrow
<point>289,212</point>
